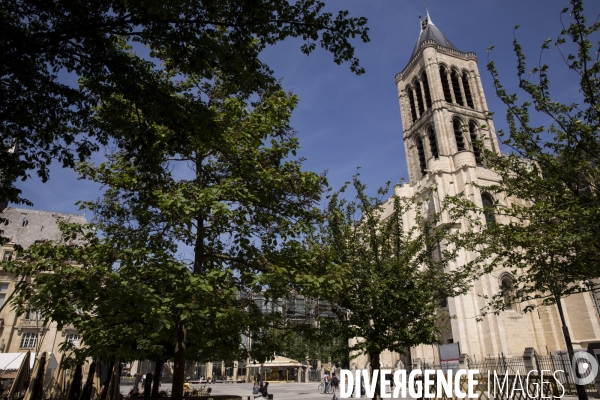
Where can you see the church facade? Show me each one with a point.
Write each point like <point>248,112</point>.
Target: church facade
<point>444,117</point>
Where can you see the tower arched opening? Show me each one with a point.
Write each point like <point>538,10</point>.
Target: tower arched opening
<point>425,82</point>
<point>411,100</point>
<point>456,87</point>
<point>474,142</point>
<point>432,142</point>
<point>467,89</point>
<point>458,134</point>
<point>420,103</point>
<point>445,84</point>
<point>421,151</point>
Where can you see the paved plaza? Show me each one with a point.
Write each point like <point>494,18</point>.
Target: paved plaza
<point>280,390</point>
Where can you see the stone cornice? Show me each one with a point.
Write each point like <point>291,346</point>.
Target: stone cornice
<point>441,49</point>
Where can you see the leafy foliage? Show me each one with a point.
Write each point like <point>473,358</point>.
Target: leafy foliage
<point>549,227</point>
<point>48,46</point>
<point>243,211</point>
<point>391,264</point>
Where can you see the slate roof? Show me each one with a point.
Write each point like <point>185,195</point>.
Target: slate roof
<point>40,225</point>
<point>430,31</point>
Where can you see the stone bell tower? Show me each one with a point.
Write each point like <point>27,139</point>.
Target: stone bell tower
<point>446,127</point>
<point>443,107</point>
<point>445,121</point>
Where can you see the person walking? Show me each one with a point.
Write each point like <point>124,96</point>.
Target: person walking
<point>326,381</point>
<point>335,384</point>
<point>136,386</point>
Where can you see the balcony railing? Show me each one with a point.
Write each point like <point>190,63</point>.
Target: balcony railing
<point>31,323</point>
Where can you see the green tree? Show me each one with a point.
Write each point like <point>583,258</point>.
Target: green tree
<point>242,211</point>
<point>391,265</point>
<point>549,215</point>
<point>316,342</point>
<point>47,46</point>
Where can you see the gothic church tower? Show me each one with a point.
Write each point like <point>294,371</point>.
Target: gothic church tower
<point>443,107</point>
<point>444,118</point>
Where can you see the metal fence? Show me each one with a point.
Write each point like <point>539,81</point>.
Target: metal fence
<point>314,375</point>
<point>501,365</point>
<point>127,380</point>
<point>558,365</point>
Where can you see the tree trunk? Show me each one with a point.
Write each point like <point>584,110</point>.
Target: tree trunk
<point>157,373</point>
<point>375,366</point>
<point>107,382</point>
<point>179,364</point>
<point>580,388</point>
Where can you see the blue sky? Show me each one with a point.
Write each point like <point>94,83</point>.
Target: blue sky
<point>345,121</point>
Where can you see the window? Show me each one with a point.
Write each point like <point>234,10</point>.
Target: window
<point>419,97</point>
<point>74,339</point>
<point>422,162</point>
<point>7,255</point>
<point>456,87</point>
<point>425,82</point>
<point>28,340</point>
<point>3,290</point>
<point>432,142</point>
<point>474,139</point>
<point>488,208</point>
<point>33,315</point>
<point>411,100</point>
<point>507,286</point>
<point>458,135</point>
<point>467,88</point>
<point>445,85</point>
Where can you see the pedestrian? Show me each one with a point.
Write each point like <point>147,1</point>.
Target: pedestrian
<point>148,386</point>
<point>360,385</point>
<point>326,381</point>
<point>335,384</point>
<point>265,390</point>
<point>136,385</point>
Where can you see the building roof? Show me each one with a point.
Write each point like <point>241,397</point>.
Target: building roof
<point>27,225</point>
<point>281,361</point>
<point>431,32</point>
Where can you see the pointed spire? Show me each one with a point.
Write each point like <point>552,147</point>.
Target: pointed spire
<point>427,12</point>
<point>430,32</point>
<point>427,20</point>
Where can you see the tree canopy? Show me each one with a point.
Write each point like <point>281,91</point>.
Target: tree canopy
<point>391,264</point>
<point>548,200</point>
<point>62,60</point>
<point>551,177</point>
<point>240,212</point>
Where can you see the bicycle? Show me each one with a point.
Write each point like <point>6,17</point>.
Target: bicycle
<point>324,389</point>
